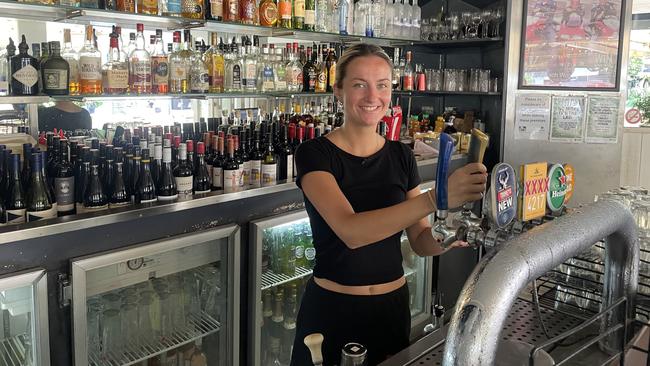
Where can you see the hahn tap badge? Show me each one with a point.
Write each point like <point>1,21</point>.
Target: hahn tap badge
<point>569,172</point>
<point>534,185</point>
<point>503,193</point>
<point>557,187</point>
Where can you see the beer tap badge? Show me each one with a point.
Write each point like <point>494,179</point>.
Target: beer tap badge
<point>503,193</point>
<point>569,172</point>
<point>557,187</point>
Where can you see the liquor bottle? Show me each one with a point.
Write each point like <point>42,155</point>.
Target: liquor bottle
<point>159,67</point>
<point>187,56</point>
<point>140,65</point>
<point>145,191</point>
<point>95,198</point>
<point>298,14</point>
<point>214,10</point>
<point>82,172</point>
<point>216,65</point>
<point>199,75</point>
<point>106,169</point>
<point>55,72</point>
<point>148,7</point>
<point>202,182</point>
<point>321,75</point>
<point>294,71</point>
<point>70,3</point>
<point>178,75</point>
<point>64,182</point>
<point>277,325</point>
<point>24,71</point>
<point>156,165</point>
<point>192,9</point>
<point>5,67</point>
<point>309,73</point>
<point>310,15</point>
<point>330,64</point>
<point>166,188</point>
<point>345,16</point>
<point>90,77</point>
<point>15,200</point>
<point>191,159</point>
<point>173,8</point>
<point>231,175</point>
<point>285,10</point>
<point>119,196</point>
<point>231,11</point>
<point>72,57</point>
<point>269,165</point>
<point>115,72</point>
<point>233,82</point>
<point>397,72</point>
<point>324,12</point>
<point>183,175</point>
<point>217,165</point>
<point>241,156</point>
<point>39,205</point>
<point>408,76</point>
<point>266,77</point>
<point>269,13</point>
<point>284,154</point>
<point>43,50</point>
<point>248,12</point>
<point>126,5</point>
<point>249,77</point>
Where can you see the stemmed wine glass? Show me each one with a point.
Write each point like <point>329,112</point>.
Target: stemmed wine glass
<point>465,21</point>
<point>497,18</point>
<point>486,17</point>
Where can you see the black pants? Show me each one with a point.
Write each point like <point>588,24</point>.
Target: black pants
<point>382,323</point>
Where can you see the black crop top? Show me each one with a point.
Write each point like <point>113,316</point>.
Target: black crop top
<point>370,183</point>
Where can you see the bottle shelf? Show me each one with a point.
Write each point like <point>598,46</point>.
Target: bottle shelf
<point>82,98</point>
<point>13,350</point>
<point>101,17</point>
<point>200,325</point>
<point>416,94</point>
<point>271,279</point>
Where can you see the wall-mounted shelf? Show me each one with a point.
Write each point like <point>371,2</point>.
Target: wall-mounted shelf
<point>416,94</point>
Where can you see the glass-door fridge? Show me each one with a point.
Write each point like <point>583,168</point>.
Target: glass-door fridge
<point>173,301</point>
<point>24,339</point>
<point>282,258</point>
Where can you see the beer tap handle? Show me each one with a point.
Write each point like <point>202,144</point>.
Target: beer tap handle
<point>314,342</point>
<point>444,155</point>
<point>478,143</point>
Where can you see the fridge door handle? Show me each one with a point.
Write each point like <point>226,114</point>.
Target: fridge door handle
<point>65,290</point>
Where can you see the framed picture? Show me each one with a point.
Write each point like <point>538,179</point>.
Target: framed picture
<point>571,44</point>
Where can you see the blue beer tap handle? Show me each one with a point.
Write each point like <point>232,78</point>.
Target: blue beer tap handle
<point>444,155</point>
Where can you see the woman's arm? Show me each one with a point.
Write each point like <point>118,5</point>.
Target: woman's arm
<point>363,228</point>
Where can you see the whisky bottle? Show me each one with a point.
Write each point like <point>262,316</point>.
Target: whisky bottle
<point>231,11</point>
<point>309,73</point>
<point>55,72</point>
<point>321,75</point>
<point>216,64</point>
<point>330,64</point>
<point>140,65</point>
<point>285,10</point>
<point>268,11</point>
<point>192,9</point>
<point>310,15</point>
<point>298,14</point>
<point>115,72</point>
<point>90,77</point>
<point>72,57</point>
<point>178,77</point>
<point>248,12</point>
<point>148,7</point>
<point>24,71</point>
<point>159,67</point>
<point>126,5</point>
<point>214,10</point>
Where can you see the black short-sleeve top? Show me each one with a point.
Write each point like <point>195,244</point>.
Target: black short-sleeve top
<point>369,183</point>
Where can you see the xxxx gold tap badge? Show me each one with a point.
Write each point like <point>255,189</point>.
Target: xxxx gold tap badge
<point>570,182</point>
<point>557,187</point>
<point>535,185</point>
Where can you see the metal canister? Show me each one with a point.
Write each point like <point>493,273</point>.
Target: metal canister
<point>353,354</point>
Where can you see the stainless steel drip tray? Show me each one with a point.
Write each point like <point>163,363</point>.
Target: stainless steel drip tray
<point>522,325</point>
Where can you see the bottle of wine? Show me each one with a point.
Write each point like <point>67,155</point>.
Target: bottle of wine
<point>135,170</point>
<point>183,174</point>
<point>95,198</point>
<point>107,169</point>
<point>27,172</point>
<point>39,205</point>
<point>269,165</point>
<point>64,182</point>
<point>255,155</point>
<point>201,182</point>
<point>119,196</point>
<point>146,188</point>
<point>191,158</point>
<point>231,170</point>
<point>82,174</point>
<point>284,154</point>
<point>240,161</point>
<point>166,189</point>
<point>15,199</point>
<point>156,166</point>
<point>217,167</point>
<point>49,183</point>
<point>242,149</point>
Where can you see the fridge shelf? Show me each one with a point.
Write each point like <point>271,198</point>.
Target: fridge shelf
<point>12,350</point>
<point>201,325</point>
<point>271,279</point>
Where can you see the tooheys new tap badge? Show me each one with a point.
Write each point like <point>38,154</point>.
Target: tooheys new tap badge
<point>558,185</point>
<point>503,193</point>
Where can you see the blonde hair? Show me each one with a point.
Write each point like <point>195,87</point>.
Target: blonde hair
<point>356,51</point>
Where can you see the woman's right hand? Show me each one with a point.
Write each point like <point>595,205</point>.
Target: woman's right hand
<point>467,184</point>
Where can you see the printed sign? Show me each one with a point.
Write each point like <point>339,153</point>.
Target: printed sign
<point>503,193</point>
<point>535,185</point>
<point>633,116</point>
<point>602,119</point>
<point>556,188</point>
<point>567,118</point>
<point>533,116</point>
<point>569,173</point>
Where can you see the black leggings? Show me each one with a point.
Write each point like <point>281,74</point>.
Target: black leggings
<point>382,323</point>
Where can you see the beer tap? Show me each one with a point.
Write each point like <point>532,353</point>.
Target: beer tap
<point>314,342</point>
<point>466,220</point>
<point>440,230</point>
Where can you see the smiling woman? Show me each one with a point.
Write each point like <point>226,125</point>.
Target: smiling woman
<point>360,192</point>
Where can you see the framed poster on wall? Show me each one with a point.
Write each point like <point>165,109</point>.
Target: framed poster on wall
<point>571,44</point>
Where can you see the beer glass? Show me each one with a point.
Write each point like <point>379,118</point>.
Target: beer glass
<point>473,80</point>
<point>111,333</point>
<point>145,326</point>
<point>93,314</point>
<point>461,80</point>
<point>111,301</point>
<point>130,325</point>
<point>484,81</point>
<point>449,79</point>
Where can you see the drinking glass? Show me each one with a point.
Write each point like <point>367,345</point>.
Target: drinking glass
<point>495,85</point>
<point>111,301</point>
<point>210,291</point>
<point>93,314</point>
<point>486,16</point>
<point>641,212</point>
<point>176,303</point>
<point>111,334</point>
<point>465,21</point>
<point>130,326</point>
<point>449,79</point>
<point>145,325</point>
<point>454,26</point>
<point>475,22</point>
<point>191,298</point>
<point>644,256</point>
<point>473,80</point>
<point>484,81</point>
<point>497,18</point>
<point>166,316</point>
<point>461,80</point>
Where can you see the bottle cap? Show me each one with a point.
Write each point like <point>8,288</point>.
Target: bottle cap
<point>189,145</point>
<point>200,148</point>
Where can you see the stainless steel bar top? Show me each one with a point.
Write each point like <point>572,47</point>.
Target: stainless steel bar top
<point>417,350</point>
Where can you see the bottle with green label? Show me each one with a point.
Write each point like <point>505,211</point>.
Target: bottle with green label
<point>55,72</point>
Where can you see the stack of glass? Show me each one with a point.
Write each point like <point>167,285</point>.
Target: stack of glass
<point>463,25</point>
